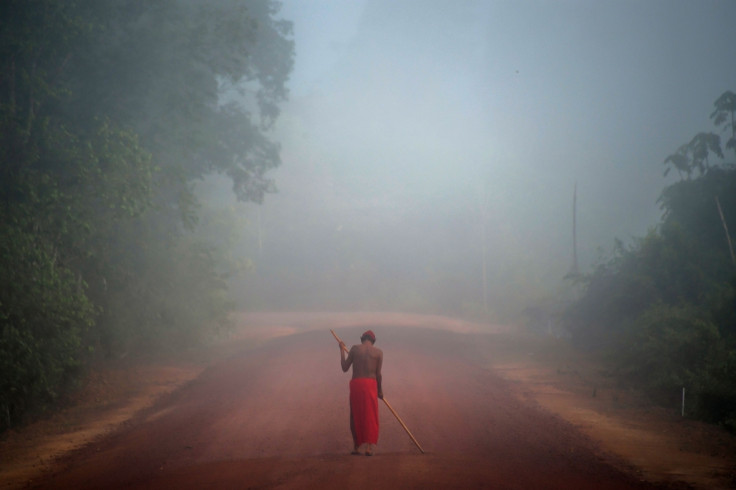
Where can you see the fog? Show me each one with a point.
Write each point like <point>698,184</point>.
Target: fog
<point>404,118</point>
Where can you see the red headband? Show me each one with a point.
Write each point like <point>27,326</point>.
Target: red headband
<point>369,334</point>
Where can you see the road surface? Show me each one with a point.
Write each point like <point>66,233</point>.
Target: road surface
<point>277,417</point>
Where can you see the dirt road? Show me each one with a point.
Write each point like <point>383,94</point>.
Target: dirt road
<point>277,417</point>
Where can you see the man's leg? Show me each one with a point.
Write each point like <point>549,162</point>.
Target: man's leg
<point>371,446</point>
<point>352,431</point>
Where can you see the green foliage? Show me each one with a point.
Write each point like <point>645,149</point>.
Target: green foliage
<point>663,267</point>
<point>715,390</point>
<point>44,319</point>
<point>110,110</point>
<point>694,155</point>
<point>178,304</point>
<point>177,73</point>
<point>691,204</point>
<point>665,307</point>
<point>668,347</point>
<point>725,115</point>
<point>179,286</point>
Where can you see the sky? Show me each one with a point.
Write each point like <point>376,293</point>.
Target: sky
<point>399,108</point>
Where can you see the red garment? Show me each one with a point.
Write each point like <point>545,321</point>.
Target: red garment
<point>364,406</point>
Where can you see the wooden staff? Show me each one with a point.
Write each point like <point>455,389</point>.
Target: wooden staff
<point>342,345</point>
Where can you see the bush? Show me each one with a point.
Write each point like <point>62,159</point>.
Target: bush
<point>669,348</point>
<point>715,391</point>
<point>44,316</point>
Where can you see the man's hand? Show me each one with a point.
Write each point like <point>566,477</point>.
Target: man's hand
<point>380,395</point>
<point>342,345</point>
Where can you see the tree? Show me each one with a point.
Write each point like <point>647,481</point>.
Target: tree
<point>723,115</point>
<point>110,110</point>
<point>211,77</point>
<point>694,155</point>
<point>664,306</point>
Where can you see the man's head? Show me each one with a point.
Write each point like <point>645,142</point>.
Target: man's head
<point>368,335</point>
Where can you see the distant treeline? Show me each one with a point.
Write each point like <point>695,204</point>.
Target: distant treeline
<point>664,307</point>
<point>110,110</point>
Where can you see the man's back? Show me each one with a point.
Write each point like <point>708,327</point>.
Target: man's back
<point>367,360</point>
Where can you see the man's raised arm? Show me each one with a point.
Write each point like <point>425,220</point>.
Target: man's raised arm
<point>345,363</point>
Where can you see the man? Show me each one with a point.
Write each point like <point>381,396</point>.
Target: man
<point>365,390</point>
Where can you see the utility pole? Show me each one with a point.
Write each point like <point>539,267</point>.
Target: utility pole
<point>260,230</point>
<point>574,268</point>
<point>483,239</point>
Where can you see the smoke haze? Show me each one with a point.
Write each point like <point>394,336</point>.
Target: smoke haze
<point>402,113</point>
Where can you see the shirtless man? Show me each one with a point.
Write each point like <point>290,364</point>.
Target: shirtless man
<point>365,390</point>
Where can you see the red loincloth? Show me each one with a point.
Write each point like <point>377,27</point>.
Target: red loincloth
<point>364,405</point>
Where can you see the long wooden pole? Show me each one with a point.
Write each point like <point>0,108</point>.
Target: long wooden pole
<point>342,344</point>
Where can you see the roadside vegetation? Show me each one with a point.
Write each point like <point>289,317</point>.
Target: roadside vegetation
<point>663,309</point>
<point>110,112</point>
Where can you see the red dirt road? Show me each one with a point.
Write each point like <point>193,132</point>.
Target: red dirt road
<point>277,417</point>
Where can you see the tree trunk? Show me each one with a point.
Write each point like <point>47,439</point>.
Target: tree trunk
<point>725,228</point>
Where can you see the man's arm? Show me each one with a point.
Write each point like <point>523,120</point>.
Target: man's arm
<point>379,377</point>
<point>345,363</point>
